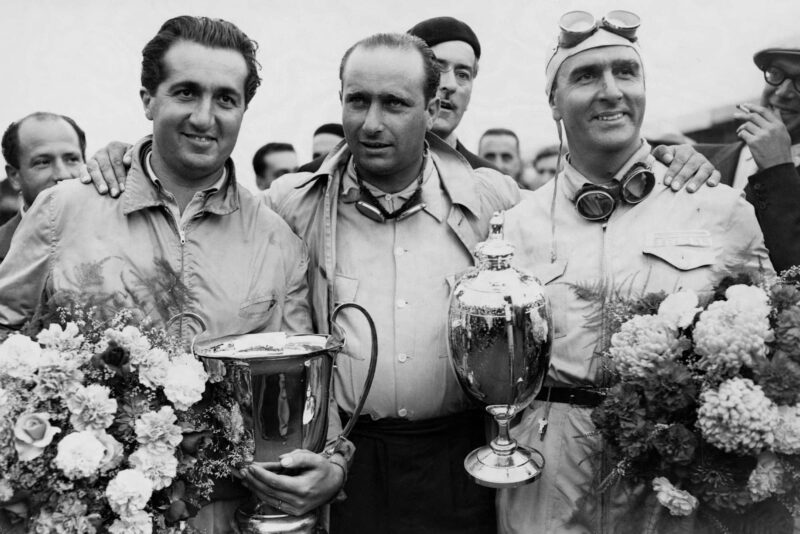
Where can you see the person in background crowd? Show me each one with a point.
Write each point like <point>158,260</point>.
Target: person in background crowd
<point>766,163</point>
<point>325,138</point>
<point>40,150</point>
<point>272,161</point>
<point>500,146</point>
<point>545,163</point>
<point>183,236</point>
<point>606,222</point>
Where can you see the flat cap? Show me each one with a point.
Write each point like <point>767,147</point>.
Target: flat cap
<point>788,47</point>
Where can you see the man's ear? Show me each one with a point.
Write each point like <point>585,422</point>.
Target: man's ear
<point>13,178</point>
<point>432,110</point>
<point>553,107</point>
<point>147,102</point>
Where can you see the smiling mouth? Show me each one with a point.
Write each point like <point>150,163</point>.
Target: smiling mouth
<point>202,139</point>
<point>609,117</point>
<point>444,104</point>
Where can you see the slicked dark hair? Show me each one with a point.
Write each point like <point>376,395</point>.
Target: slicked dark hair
<point>213,33</point>
<point>270,148</point>
<point>10,141</point>
<point>401,41</point>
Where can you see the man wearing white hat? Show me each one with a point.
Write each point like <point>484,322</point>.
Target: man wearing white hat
<point>766,163</point>
<point>608,224</point>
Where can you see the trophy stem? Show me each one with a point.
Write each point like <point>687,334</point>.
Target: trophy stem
<point>503,463</point>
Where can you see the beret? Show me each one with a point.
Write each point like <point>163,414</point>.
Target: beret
<point>442,29</point>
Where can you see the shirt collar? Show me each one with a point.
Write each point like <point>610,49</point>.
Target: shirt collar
<point>431,188</point>
<point>573,180</point>
<point>142,191</point>
<point>151,173</point>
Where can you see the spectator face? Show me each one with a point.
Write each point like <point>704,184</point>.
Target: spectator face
<point>601,98</point>
<point>784,99</point>
<point>385,113</point>
<point>276,164</point>
<point>322,143</point>
<point>546,168</point>
<point>196,111</point>
<point>50,151</point>
<point>503,152</point>
<point>457,60</point>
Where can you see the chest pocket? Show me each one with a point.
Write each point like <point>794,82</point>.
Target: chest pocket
<point>258,306</point>
<point>551,275</point>
<point>684,251</point>
<point>344,289</point>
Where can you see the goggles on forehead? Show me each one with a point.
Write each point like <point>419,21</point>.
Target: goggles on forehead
<point>577,26</point>
<point>597,202</point>
<point>370,207</point>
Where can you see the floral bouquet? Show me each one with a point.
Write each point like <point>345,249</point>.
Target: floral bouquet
<point>104,428</point>
<point>706,407</point>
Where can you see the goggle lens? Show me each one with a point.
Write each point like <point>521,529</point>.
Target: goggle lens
<point>595,205</point>
<point>577,26</point>
<point>637,186</point>
<point>624,23</point>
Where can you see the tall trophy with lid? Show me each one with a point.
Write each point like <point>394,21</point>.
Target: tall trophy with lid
<point>500,334</point>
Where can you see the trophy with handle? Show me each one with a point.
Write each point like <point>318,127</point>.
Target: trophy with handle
<point>500,335</point>
<point>283,385</point>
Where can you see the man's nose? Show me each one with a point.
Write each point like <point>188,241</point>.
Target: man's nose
<point>447,81</point>
<point>202,115</point>
<point>62,171</point>
<point>610,86</point>
<point>373,121</point>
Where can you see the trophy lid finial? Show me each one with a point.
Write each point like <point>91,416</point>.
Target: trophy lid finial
<point>495,247</point>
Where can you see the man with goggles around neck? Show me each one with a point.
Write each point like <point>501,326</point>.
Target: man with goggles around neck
<point>609,222</point>
<point>766,162</point>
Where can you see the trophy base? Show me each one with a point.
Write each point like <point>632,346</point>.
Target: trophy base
<point>506,470</point>
<point>250,523</point>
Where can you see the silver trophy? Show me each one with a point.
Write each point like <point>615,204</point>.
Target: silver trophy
<point>282,385</point>
<point>500,334</point>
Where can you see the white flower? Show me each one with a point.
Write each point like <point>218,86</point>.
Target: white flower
<point>6,490</point>
<point>153,368</point>
<point>185,381</point>
<point>19,357</point>
<point>91,407</point>
<point>767,478</point>
<point>158,431</point>
<point>643,343</point>
<point>128,492</point>
<point>732,333</point>
<point>113,451</point>
<point>80,454</point>
<point>678,502</point>
<point>679,309</point>
<point>136,523</point>
<point>737,417</point>
<point>57,375</point>
<point>56,338</point>
<point>32,433</point>
<point>787,430</point>
<point>159,467</point>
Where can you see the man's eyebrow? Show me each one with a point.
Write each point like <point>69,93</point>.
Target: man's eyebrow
<point>629,63</point>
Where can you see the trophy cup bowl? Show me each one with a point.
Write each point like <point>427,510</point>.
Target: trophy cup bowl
<point>282,385</point>
<point>500,335</point>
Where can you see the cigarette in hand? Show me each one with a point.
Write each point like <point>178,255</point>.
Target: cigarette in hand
<point>743,107</point>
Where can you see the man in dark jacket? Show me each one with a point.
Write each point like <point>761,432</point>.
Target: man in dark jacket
<point>765,162</point>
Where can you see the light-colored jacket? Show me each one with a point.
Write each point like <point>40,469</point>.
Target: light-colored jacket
<point>308,202</point>
<point>668,242</point>
<point>233,262</point>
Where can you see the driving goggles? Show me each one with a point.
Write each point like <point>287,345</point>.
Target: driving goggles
<point>577,26</point>
<point>596,202</point>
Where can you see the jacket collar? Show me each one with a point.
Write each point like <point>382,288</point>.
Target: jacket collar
<point>455,174</point>
<point>140,191</point>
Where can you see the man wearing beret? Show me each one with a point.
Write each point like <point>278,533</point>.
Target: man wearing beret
<point>766,162</point>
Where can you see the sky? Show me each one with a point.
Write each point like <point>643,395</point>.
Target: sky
<point>82,58</point>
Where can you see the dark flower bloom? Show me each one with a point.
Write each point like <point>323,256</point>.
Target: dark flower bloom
<point>648,304</point>
<point>676,444</point>
<point>115,358</point>
<point>670,390</point>
<point>787,332</point>
<point>733,280</point>
<point>779,378</point>
<point>784,296</point>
